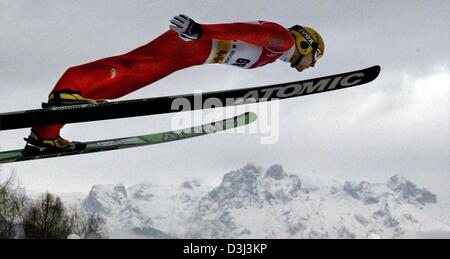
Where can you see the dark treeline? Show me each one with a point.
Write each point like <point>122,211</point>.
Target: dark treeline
<point>43,218</point>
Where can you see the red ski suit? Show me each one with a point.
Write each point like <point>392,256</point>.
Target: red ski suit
<point>246,45</point>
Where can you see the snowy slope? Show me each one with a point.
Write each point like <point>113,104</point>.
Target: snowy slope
<point>256,203</point>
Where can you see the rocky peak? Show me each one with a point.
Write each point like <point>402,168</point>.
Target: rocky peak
<point>251,186</point>
<point>238,184</point>
<point>142,191</point>
<point>361,191</point>
<point>409,191</point>
<point>112,201</point>
<point>276,172</point>
<point>190,185</point>
<point>396,182</point>
<point>101,196</point>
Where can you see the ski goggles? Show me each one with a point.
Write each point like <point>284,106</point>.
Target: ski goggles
<point>317,54</point>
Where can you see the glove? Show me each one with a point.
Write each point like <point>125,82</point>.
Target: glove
<point>187,28</point>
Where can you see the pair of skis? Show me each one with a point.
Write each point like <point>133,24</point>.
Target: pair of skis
<point>162,105</point>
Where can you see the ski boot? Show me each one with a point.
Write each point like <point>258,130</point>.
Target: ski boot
<point>36,145</point>
<point>67,98</point>
<point>41,146</point>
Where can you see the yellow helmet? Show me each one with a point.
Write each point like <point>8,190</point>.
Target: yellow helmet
<point>308,40</point>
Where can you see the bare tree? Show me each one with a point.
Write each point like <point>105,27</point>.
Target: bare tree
<point>46,219</point>
<point>87,226</point>
<point>12,202</point>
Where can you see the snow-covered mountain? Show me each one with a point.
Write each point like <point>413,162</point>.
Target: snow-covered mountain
<point>256,203</point>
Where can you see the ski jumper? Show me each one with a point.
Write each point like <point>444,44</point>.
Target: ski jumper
<point>245,45</point>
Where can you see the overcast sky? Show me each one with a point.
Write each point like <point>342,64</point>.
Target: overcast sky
<point>398,124</point>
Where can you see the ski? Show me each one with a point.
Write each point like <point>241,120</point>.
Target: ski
<point>139,141</point>
<point>161,105</point>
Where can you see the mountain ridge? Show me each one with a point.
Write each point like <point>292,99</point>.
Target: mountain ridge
<point>255,203</point>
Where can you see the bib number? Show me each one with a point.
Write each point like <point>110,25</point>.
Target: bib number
<point>241,62</point>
